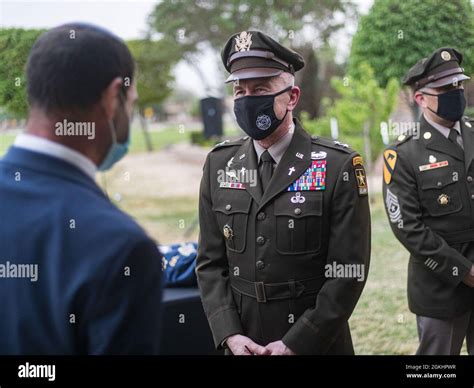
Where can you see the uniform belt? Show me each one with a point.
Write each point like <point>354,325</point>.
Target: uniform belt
<point>458,237</point>
<point>274,291</point>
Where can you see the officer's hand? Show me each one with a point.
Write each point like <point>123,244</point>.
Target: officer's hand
<point>240,345</point>
<point>469,278</point>
<point>278,348</point>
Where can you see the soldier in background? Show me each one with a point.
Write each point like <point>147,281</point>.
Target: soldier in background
<point>429,195</point>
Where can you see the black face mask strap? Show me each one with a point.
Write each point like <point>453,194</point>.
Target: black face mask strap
<point>283,91</point>
<point>430,94</point>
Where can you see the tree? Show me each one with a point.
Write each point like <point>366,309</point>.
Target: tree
<point>15,46</point>
<point>194,26</point>
<point>395,34</point>
<point>363,104</point>
<point>154,61</point>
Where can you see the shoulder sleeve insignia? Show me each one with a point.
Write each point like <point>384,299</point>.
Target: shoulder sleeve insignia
<point>390,159</point>
<point>357,160</point>
<point>361,179</point>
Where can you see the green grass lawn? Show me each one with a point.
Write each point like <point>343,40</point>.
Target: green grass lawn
<point>6,140</point>
<point>382,323</point>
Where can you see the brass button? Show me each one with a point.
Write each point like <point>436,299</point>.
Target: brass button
<point>297,211</point>
<point>469,178</point>
<point>261,216</point>
<point>260,264</point>
<point>443,199</point>
<point>228,207</point>
<point>260,240</point>
<point>228,232</point>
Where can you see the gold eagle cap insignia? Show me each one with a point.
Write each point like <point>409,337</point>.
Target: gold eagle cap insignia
<point>243,41</point>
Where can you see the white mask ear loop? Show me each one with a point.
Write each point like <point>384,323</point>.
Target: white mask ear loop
<point>112,131</point>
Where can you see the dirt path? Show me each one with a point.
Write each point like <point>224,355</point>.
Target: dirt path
<point>172,172</point>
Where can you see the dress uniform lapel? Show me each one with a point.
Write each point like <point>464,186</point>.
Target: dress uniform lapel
<point>434,140</point>
<point>291,167</point>
<point>246,158</point>
<point>468,141</point>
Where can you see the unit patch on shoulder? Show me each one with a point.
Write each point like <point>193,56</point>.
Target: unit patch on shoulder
<point>357,160</point>
<point>361,179</point>
<point>389,161</point>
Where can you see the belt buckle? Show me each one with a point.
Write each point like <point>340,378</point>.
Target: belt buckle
<point>260,292</point>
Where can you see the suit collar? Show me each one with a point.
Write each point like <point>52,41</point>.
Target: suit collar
<point>51,148</point>
<point>48,165</point>
<point>434,140</point>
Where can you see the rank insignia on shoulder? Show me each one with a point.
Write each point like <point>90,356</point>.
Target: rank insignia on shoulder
<point>344,145</point>
<point>222,143</point>
<point>314,178</point>
<point>432,166</point>
<point>390,159</point>
<point>361,181</point>
<point>393,207</point>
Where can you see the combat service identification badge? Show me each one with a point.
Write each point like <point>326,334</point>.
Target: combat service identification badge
<point>390,159</point>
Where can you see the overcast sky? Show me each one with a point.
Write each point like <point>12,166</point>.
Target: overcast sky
<point>126,18</point>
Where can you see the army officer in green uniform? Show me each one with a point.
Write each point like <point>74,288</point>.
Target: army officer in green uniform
<point>284,217</point>
<point>429,197</point>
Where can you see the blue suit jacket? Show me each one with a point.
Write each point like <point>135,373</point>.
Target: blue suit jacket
<point>99,276</point>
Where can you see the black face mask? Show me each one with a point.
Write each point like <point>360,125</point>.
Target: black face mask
<point>255,114</point>
<point>451,104</point>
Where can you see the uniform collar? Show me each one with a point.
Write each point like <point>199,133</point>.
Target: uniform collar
<point>442,129</point>
<point>435,140</point>
<point>278,149</point>
<point>295,160</point>
<point>56,150</point>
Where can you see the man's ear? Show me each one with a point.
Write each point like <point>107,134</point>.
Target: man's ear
<point>109,100</point>
<point>294,98</point>
<point>420,99</point>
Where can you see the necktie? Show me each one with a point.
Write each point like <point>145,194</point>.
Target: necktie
<point>453,137</point>
<point>266,170</point>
